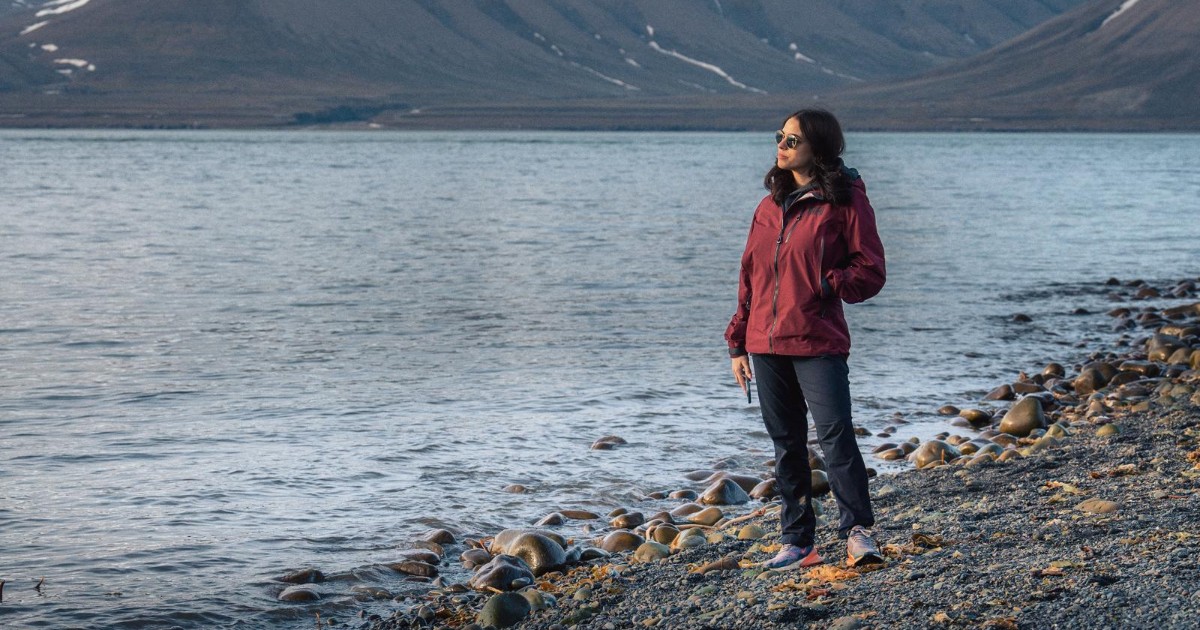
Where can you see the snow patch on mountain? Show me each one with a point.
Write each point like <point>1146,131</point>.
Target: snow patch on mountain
<point>1125,6</point>
<point>60,7</point>
<point>33,27</point>
<point>705,66</point>
<point>605,77</point>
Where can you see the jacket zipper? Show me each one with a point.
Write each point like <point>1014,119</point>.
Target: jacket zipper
<point>821,276</point>
<point>784,235</point>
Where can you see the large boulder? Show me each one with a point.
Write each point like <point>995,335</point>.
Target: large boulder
<point>542,554</point>
<point>1023,418</point>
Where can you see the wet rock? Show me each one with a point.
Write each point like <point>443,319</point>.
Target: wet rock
<point>934,451</point>
<point>1182,356</point>
<point>686,510</point>
<point>299,593</point>
<point>414,567</point>
<point>892,454</point>
<point>1088,381</point>
<point>1023,418</point>
<point>1055,370</point>
<point>540,553</point>
<point>504,573</point>
<point>1003,392</point>
<point>948,410</point>
<point>686,495</point>
<point>367,592</point>
<point>440,536</point>
<point>303,576</point>
<point>553,518</point>
<point>724,492</point>
<point>501,542</point>
<point>621,540</point>
<point>421,555</point>
<point>472,558</point>
<point>1027,388</point>
<point>664,534</point>
<point>504,610</point>
<point>707,516</point>
<point>579,515</point>
<point>651,552</point>
<point>592,553</point>
<point>516,488</point>
<point>628,520</point>
<point>765,490</point>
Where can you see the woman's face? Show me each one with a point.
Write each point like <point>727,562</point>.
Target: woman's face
<point>798,159</point>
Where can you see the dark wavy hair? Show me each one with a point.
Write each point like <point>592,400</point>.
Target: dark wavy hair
<point>824,135</point>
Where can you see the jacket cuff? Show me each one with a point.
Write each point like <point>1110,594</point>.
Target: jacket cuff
<point>737,352</point>
<point>826,289</point>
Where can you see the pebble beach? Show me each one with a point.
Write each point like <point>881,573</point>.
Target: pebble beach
<point>1067,498</point>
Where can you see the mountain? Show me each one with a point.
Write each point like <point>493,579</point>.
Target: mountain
<point>1108,64</point>
<point>412,63</point>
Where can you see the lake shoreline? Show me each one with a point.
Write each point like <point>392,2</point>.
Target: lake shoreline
<point>1091,525</point>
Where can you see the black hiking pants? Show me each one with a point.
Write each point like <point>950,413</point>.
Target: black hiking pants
<point>788,388</point>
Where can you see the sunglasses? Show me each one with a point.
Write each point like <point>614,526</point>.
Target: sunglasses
<point>792,140</point>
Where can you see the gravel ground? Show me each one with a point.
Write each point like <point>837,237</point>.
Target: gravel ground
<point>1094,529</point>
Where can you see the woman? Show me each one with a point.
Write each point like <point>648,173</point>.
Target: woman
<point>812,245</point>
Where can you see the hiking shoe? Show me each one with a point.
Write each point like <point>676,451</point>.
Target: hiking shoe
<point>861,547</point>
<point>793,557</point>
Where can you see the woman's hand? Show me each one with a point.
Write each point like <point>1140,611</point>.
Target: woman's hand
<point>741,371</point>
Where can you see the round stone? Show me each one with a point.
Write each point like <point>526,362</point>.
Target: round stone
<point>621,540</point>
<point>724,492</point>
<point>540,553</point>
<point>685,510</point>
<point>686,495</point>
<point>820,483</point>
<point>948,410</point>
<point>303,576</point>
<point>579,515</point>
<point>299,593</point>
<point>751,532</point>
<point>651,552</point>
<point>1003,392</point>
<point>765,490</point>
<point>504,610</point>
<point>689,539</point>
<point>628,520</point>
<point>707,516</point>
<point>553,518</point>
<point>1106,430</point>
<point>502,573</point>
<point>664,534</point>
<point>1023,418</point>
<point>934,451</point>
<point>440,536</point>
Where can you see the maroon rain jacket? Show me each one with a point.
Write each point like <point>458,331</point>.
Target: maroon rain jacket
<point>783,305</point>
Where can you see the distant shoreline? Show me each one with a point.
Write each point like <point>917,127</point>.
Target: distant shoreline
<point>710,114</point>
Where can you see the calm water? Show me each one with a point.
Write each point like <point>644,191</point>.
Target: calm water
<point>226,355</point>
